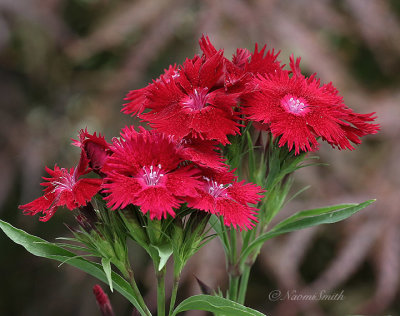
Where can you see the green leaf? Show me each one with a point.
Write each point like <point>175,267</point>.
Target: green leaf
<point>220,229</point>
<point>215,304</point>
<point>305,219</point>
<point>75,247</point>
<point>215,224</point>
<point>312,212</point>
<point>297,193</point>
<point>164,252</point>
<point>42,248</point>
<point>106,263</point>
<point>252,160</point>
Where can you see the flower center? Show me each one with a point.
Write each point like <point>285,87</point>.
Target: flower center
<point>64,182</point>
<point>196,100</point>
<point>152,176</point>
<point>297,106</point>
<point>215,189</point>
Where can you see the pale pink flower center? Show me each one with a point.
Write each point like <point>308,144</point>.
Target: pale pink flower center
<point>64,182</point>
<point>215,189</point>
<point>196,100</point>
<point>297,106</point>
<point>151,175</point>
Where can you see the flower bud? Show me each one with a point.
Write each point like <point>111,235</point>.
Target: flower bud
<point>102,301</point>
<point>132,223</point>
<point>87,218</point>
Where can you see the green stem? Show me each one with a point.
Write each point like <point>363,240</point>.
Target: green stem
<point>233,286</point>
<point>137,293</point>
<point>174,293</point>
<point>234,274</point>
<point>161,292</point>
<point>232,235</point>
<point>245,269</point>
<point>225,238</point>
<point>244,280</point>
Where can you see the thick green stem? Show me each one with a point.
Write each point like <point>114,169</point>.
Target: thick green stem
<point>137,293</point>
<point>161,292</point>
<point>233,286</point>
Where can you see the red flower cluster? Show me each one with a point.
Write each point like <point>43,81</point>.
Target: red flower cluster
<point>152,170</point>
<point>194,109</point>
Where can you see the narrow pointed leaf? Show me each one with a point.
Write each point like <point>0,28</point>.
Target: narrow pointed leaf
<point>215,304</point>
<point>303,220</point>
<point>252,160</point>
<point>106,263</point>
<point>41,248</point>
<point>221,232</point>
<point>312,212</point>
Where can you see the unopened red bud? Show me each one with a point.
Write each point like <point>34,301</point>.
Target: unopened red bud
<point>102,301</point>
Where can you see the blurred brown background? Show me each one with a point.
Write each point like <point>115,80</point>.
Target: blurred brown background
<point>67,64</point>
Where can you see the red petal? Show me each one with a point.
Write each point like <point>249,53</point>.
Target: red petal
<point>182,182</point>
<point>85,189</point>
<point>158,201</point>
<point>245,193</point>
<point>122,190</point>
<point>43,204</point>
<point>235,214</point>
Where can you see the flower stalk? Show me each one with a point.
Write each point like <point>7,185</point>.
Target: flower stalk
<point>174,292</point>
<point>137,293</point>
<point>161,292</point>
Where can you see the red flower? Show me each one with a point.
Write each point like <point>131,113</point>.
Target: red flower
<point>236,75</point>
<point>63,188</point>
<point>222,195</point>
<point>298,109</point>
<point>95,148</point>
<point>201,152</point>
<point>244,65</point>
<point>188,102</point>
<point>146,169</point>
<point>138,100</point>
<point>263,62</point>
<point>189,105</point>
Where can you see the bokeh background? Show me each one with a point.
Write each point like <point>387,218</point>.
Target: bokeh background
<point>67,64</point>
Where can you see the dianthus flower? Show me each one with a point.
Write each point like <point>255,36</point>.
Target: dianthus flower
<point>188,102</point>
<point>95,149</point>
<point>204,153</point>
<point>63,188</point>
<point>222,195</point>
<point>145,169</point>
<point>298,109</point>
<point>244,65</point>
<point>138,98</point>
